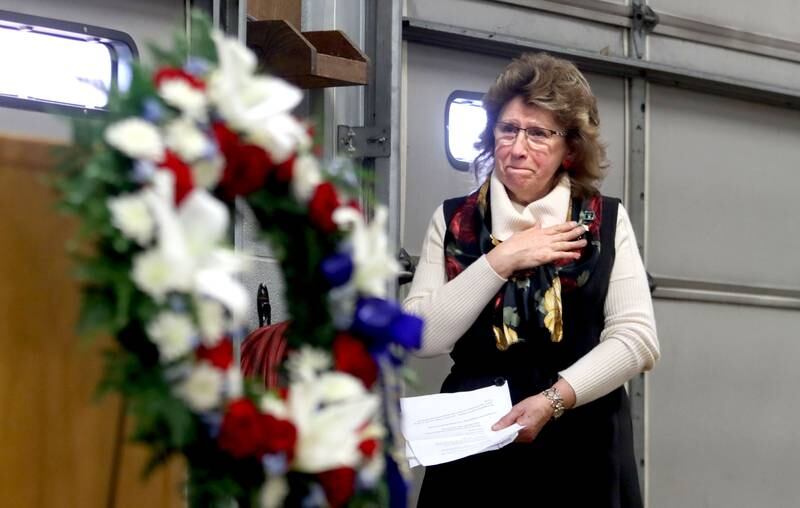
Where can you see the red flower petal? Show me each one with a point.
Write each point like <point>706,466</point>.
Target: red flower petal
<point>368,447</point>
<point>167,73</point>
<point>338,484</point>
<point>184,180</point>
<point>351,356</point>
<point>220,356</point>
<point>321,207</point>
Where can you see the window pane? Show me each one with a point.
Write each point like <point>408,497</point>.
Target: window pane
<point>54,68</point>
<point>466,120</point>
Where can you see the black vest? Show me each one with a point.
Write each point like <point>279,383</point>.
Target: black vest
<point>585,458</point>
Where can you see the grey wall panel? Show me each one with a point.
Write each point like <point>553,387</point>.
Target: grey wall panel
<point>776,18</point>
<point>723,417</point>
<point>519,21</point>
<point>433,73</point>
<point>723,182</point>
<point>726,62</point>
<point>143,20</point>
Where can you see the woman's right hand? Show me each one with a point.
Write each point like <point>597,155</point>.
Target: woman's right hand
<point>537,246</point>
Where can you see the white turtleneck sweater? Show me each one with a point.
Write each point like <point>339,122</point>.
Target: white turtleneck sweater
<point>628,344</point>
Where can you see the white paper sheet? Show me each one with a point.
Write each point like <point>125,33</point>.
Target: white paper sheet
<point>449,426</point>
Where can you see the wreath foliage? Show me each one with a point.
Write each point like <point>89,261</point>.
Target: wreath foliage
<point>152,184</point>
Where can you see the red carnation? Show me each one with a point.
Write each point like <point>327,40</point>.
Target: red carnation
<point>368,447</point>
<point>246,165</point>
<point>242,430</point>
<point>338,484</point>
<point>351,356</point>
<point>280,436</point>
<point>220,356</point>
<point>321,207</point>
<point>168,73</point>
<point>184,180</point>
<point>247,433</point>
<point>285,170</point>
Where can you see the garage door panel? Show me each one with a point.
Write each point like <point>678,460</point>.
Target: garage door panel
<point>723,179</point>
<point>722,428</point>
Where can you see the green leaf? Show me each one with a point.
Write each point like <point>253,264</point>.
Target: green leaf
<point>96,314</point>
<point>200,43</point>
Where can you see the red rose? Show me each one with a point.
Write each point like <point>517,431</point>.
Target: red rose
<point>246,165</point>
<point>284,171</point>
<point>321,207</point>
<point>241,433</point>
<point>351,356</point>
<point>280,436</point>
<point>220,356</point>
<point>167,73</point>
<point>247,433</point>
<point>368,447</point>
<point>184,180</point>
<point>338,484</point>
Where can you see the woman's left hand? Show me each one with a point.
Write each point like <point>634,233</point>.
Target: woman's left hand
<point>532,413</point>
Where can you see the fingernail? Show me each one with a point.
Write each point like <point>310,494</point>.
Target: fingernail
<point>585,227</point>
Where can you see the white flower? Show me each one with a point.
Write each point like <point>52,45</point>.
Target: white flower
<point>184,138</point>
<point>172,333</point>
<point>281,135</point>
<point>212,320</point>
<point>207,171</point>
<point>374,263</point>
<point>242,98</point>
<point>305,177</point>
<point>202,389</point>
<point>306,363</point>
<point>188,99</point>
<point>136,138</point>
<point>157,274</point>
<point>272,405</point>
<point>329,413</point>
<point>129,214</point>
<point>372,471</point>
<point>274,491</point>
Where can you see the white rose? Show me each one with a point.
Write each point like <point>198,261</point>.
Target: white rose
<point>202,389</point>
<point>306,363</point>
<point>130,214</point>
<point>234,384</point>
<point>157,274</point>
<point>305,177</point>
<point>136,138</point>
<point>184,138</point>
<point>179,93</point>
<point>338,386</point>
<point>172,333</point>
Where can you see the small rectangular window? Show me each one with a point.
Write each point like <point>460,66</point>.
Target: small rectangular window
<point>464,119</point>
<point>59,66</point>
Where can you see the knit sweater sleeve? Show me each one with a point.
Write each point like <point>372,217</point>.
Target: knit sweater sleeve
<point>448,308</point>
<point>628,344</point>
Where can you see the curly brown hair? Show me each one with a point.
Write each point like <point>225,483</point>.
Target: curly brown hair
<point>556,85</point>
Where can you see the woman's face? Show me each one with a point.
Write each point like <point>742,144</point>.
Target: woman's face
<point>527,167</point>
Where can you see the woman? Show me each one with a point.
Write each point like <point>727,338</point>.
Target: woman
<point>535,279</point>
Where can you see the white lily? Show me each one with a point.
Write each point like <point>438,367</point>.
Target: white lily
<point>374,263</point>
<point>328,412</point>
<point>172,333</point>
<point>184,138</point>
<point>305,177</point>
<point>189,240</point>
<point>244,99</point>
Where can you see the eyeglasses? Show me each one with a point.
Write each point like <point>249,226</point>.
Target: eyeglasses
<point>506,133</point>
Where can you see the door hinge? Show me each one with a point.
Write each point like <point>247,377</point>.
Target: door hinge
<point>361,142</point>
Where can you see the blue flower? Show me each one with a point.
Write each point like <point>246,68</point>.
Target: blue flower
<point>337,269</point>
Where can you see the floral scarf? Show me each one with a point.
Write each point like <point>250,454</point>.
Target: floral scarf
<point>530,296</point>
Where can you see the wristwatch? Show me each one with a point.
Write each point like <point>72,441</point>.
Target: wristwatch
<point>556,401</point>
